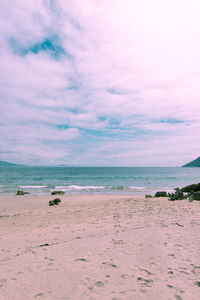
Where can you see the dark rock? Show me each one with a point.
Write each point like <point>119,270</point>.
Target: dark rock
<point>148,196</point>
<point>57,193</point>
<point>54,202</point>
<point>20,193</point>
<point>160,194</point>
<point>191,188</point>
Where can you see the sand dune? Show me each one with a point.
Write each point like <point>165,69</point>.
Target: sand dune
<point>99,247</point>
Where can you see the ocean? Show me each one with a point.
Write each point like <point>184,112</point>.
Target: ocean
<point>109,180</point>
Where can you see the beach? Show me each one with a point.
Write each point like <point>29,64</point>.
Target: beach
<point>99,247</point>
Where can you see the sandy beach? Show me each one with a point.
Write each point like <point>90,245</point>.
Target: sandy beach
<point>99,247</point>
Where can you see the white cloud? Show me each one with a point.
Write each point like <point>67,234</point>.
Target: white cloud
<point>127,87</point>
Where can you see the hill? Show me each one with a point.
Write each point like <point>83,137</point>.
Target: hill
<point>7,164</point>
<point>193,164</point>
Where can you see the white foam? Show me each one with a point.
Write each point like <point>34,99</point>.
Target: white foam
<point>32,186</point>
<point>87,187</point>
<point>61,187</point>
<point>137,187</point>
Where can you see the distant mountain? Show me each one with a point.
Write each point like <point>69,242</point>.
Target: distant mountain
<point>194,163</point>
<point>7,164</point>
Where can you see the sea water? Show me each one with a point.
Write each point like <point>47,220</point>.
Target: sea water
<point>110,180</point>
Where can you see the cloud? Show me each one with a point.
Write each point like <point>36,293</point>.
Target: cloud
<point>99,83</point>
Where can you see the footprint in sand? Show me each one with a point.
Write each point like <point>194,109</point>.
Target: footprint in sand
<point>38,295</point>
<point>171,255</point>
<point>124,276</point>
<point>117,242</point>
<point>146,271</point>
<point>2,281</point>
<point>81,259</point>
<point>99,284</point>
<point>196,270</point>
<point>96,284</point>
<point>178,297</point>
<point>110,265</point>
<point>170,272</point>
<point>145,282</point>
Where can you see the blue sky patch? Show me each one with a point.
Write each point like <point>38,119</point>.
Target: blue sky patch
<point>50,45</point>
<point>98,133</point>
<point>102,119</point>
<point>171,121</point>
<point>63,126</point>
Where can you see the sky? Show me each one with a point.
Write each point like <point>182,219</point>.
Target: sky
<point>100,82</point>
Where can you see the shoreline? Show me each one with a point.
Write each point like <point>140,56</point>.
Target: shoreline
<point>99,247</point>
<point>97,192</point>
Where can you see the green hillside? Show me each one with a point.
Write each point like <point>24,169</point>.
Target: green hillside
<point>6,164</point>
<point>194,163</point>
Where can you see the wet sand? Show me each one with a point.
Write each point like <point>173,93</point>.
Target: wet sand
<point>99,247</point>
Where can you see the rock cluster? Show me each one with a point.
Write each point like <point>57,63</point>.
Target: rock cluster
<point>191,192</point>
<point>160,194</point>
<point>57,193</point>
<point>54,202</point>
<point>21,193</point>
<point>178,195</point>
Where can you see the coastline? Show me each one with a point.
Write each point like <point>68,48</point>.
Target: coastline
<point>99,247</point>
